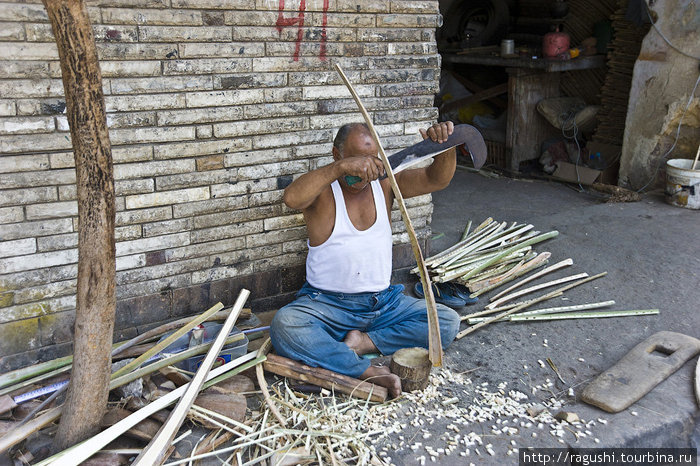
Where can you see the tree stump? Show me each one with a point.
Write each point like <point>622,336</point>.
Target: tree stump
<point>412,365</point>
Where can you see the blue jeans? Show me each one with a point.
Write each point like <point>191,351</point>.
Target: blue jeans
<point>312,328</point>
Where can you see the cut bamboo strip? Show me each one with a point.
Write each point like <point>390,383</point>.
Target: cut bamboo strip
<point>535,288</point>
<point>154,453</point>
<point>31,372</point>
<point>549,310</point>
<point>478,245</point>
<point>560,309</point>
<point>473,270</point>
<point>457,248</point>
<point>484,286</point>
<point>588,315</point>
<point>17,435</point>
<point>84,450</point>
<point>492,311</point>
<point>434,343</point>
<point>553,294</point>
<point>167,341</point>
<point>465,235</point>
<point>262,351</point>
<point>552,268</point>
<point>509,251</point>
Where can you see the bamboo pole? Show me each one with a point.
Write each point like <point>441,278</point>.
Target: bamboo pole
<point>588,315</point>
<point>553,294</point>
<point>535,288</point>
<point>465,235</point>
<point>550,310</point>
<point>434,343</point>
<point>551,268</point>
<point>84,450</point>
<point>154,453</point>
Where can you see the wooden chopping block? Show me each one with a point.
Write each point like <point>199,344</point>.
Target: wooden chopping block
<point>640,370</point>
<point>324,378</point>
<point>413,366</point>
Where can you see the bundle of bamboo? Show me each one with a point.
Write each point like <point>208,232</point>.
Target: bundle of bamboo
<point>489,256</point>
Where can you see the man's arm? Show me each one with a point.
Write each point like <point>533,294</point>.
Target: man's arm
<point>437,176</point>
<point>304,191</point>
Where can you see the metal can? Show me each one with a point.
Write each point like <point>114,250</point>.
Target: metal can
<point>507,47</point>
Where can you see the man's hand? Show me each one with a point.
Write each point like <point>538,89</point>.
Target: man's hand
<point>367,168</point>
<point>438,132</point>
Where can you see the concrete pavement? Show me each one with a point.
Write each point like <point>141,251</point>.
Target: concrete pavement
<point>652,255</point>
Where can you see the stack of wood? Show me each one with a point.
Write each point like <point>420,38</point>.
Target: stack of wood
<point>623,53</point>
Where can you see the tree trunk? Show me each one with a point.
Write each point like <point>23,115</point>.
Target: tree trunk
<point>86,400</point>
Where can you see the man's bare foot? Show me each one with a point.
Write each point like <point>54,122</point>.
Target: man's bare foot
<point>381,375</point>
<point>359,342</point>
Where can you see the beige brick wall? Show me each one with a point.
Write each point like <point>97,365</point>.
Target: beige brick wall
<point>212,109</point>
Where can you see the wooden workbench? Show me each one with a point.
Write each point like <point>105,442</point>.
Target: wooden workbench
<point>529,81</point>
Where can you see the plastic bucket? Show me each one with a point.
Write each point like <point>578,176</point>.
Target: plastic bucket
<point>682,184</point>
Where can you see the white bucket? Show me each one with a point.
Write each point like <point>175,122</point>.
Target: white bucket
<point>682,184</point>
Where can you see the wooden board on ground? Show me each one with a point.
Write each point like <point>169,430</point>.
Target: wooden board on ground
<point>639,371</point>
<point>324,378</point>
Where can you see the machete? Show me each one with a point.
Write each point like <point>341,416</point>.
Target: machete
<point>462,134</point>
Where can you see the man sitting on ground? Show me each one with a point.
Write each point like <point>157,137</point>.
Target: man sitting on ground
<point>347,307</point>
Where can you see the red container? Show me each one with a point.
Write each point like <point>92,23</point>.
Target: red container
<point>554,44</point>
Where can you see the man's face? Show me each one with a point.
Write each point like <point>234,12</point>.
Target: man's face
<point>358,144</point>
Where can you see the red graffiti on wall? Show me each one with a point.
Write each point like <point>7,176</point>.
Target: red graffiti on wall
<point>298,20</point>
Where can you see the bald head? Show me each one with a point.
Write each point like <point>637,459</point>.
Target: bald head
<point>346,131</point>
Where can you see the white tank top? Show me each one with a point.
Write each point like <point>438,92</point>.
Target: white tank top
<point>350,260</point>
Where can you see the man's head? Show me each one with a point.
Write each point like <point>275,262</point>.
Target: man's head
<point>354,140</point>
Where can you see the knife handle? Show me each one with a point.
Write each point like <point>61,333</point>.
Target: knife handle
<point>351,180</point>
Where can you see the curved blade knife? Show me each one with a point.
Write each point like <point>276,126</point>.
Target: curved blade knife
<point>462,134</point>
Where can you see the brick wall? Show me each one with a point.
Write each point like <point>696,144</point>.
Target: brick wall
<point>213,106</point>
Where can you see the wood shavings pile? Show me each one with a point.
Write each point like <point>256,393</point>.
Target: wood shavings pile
<point>452,416</point>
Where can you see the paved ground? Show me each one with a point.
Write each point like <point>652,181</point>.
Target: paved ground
<point>652,255</point>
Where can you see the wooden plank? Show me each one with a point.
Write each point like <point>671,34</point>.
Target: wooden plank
<point>434,343</point>
<point>154,453</point>
<point>324,378</point>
